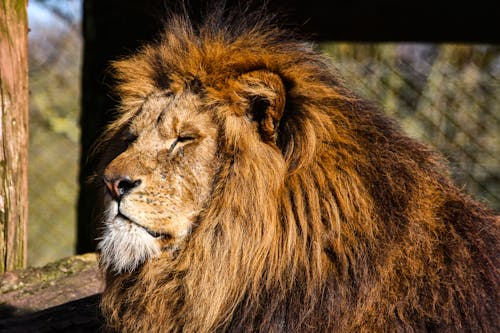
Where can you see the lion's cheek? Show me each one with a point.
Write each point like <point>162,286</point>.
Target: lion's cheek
<point>177,227</point>
<point>167,217</point>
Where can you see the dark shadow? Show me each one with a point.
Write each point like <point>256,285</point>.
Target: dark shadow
<point>80,316</point>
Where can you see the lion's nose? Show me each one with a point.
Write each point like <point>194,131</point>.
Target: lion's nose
<point>120,186</point>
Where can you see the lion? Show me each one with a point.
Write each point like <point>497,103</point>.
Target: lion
<point>246,188</point>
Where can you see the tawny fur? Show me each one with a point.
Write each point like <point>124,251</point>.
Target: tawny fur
<point>322,215</point>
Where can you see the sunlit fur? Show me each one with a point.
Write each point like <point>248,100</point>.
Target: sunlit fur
<point>124,246</point>
<point>322,216</point>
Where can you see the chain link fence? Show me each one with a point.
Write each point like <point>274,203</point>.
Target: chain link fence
<point>54,55</point>
<point>446,95</point>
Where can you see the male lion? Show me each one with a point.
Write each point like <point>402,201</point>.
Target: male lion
<point>246,189</point>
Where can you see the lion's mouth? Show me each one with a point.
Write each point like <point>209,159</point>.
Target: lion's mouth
<point>152,233</point>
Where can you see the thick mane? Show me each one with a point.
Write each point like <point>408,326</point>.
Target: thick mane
<point>343,223</point>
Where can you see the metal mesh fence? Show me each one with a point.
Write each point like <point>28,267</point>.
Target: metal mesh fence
<point>54,54</point>
<point>446,95</point>
<point>52,195</point>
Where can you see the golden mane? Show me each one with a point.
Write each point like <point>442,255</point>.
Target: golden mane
<point>355,228</point>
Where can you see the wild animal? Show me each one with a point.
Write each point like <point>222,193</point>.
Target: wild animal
<point>247,189</point>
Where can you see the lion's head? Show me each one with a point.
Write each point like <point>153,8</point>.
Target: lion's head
<point>158,186</point>
<point>246,189</point>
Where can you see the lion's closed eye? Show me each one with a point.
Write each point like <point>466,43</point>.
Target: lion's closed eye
<point>186,137</point>
<point>182,140</point>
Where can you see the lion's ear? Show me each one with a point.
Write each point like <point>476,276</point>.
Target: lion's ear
<point>265,94</point>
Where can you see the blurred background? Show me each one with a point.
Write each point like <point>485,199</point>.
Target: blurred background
<point>444,94</point>
<point>54,56</point>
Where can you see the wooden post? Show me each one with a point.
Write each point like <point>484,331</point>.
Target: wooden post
<point>13,133</point>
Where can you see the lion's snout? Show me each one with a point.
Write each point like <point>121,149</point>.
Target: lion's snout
<point>118,186</point>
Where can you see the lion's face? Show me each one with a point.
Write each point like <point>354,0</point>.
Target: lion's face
<point>158,185</point>
<point>166,151</point>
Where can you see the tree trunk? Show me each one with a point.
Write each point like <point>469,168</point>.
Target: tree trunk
<point>13,134</point>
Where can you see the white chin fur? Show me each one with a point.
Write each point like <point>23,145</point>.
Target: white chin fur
<point>124,246</point>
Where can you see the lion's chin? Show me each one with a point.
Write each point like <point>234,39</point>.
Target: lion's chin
<point>125,246</point>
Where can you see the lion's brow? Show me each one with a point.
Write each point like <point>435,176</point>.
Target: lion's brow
<point>159,120</point>
<point>163,111</point>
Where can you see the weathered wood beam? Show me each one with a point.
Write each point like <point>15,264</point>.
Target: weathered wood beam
<point>13,134</point>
